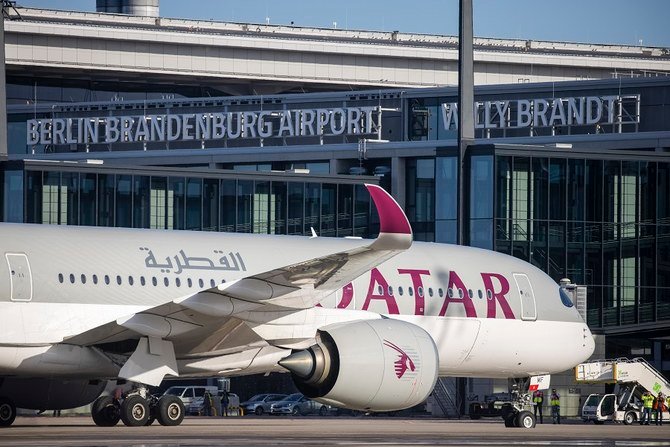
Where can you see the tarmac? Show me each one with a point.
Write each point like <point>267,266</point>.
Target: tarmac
<point>80,431</point>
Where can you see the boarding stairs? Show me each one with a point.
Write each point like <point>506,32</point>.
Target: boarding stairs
<point>623,372</point>
<point>446,396</point>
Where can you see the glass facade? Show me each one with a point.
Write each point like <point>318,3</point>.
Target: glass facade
<point>602,223</point>
<point>179,202</point>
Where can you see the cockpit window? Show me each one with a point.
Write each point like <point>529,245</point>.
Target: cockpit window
<point>565,298</point>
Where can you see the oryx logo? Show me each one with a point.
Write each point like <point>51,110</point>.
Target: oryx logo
<point>403,363</point>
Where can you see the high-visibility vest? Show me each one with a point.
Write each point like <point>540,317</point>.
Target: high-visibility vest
<point>555,400</point>
<point>647,400</point>
<point>538,397</point>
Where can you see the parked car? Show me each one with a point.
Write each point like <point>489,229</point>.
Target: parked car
<point>188,393</point>
<point>260,403</point>
<point>196,405</point>
<point>297,404</point>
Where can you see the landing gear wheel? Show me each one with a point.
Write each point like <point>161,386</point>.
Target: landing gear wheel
<point>7,412</point>
<point>525,419</point>
<point>135,411</point>
<point>629,418</point>
<point>105,411</point>
<point>170,410</point>
<point>259,411</point>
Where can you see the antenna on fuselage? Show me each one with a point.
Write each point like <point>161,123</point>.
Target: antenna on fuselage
<point>313,233</point>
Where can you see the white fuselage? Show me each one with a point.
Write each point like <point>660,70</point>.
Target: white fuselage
<point>490,315</point>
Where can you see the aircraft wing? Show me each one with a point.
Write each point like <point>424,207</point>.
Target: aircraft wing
<point>211,321</point>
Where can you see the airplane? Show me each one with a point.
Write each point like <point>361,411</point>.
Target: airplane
<point>361,324</point>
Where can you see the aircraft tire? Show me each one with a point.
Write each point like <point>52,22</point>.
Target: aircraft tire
<point>7,412</point>
<point>105,411</point>
<point>525,419</point>
<point>134,411</point>
<point>509,420</point>
<point>170,411</point>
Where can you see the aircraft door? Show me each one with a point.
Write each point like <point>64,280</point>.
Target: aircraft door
<point>528,310</point>
<point>20,277</point>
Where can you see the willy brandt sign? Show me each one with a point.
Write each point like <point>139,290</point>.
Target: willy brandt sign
<point>204,126</point>
<point>542,112</point>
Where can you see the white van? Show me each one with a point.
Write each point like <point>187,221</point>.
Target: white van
<point>188,393</point>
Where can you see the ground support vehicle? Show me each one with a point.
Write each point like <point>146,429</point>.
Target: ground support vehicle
<point>632,378</point>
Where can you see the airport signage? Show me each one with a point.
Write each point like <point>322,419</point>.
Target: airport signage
<point>204,126</point>
<point>542,112</point>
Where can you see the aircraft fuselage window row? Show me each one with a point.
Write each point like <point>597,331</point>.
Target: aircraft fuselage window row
<point>440,292</point>
<point>131,280</point>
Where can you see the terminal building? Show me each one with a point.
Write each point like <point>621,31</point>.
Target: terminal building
<point>571,175</point>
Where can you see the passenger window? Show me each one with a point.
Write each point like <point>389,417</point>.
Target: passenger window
<point>131,281</point>
<point>107,279</point>
<point>154,281</point>
<point>440,292</point>
<point>177,281</point>
<point>400,290</point>
<point>489,294</point>
<point>212,283</point>
<point>201,283</point>
<point>60,278</point>
<point>460,293</point>
<point>83,279</point>
<point>142,281</point>
<point>380,290</point>
<point>430,291</point>
<point>419,291</point>
<point>390,291</point>
<point>95,279</point>
<point>470,293</point>
<point>450,292</point>
<point>479,293</point>
<point>189,282</point>
<point>166,281</point>
<point>411,292</point>
<point>71,278</point>
<point>118,280</point>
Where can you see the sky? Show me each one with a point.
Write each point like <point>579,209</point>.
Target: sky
<point>625,22</point>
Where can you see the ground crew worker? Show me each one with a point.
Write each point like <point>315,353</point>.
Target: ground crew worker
<point>555,402</point>
<point>647,404</point>
<point>660,407</point>
<point>208,404</point>
<point>538,399</point>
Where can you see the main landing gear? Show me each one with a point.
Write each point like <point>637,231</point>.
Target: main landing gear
<point>515,413</point>
<point>137,408</point>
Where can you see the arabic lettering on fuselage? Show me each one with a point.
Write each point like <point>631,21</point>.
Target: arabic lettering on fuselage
<point>230,262</point>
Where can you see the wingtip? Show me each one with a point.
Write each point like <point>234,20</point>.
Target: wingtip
<point>392,218</point>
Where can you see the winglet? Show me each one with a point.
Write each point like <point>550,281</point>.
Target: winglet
<point>395,232</point>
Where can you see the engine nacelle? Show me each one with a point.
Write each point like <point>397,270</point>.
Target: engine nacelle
<point>370,365</point>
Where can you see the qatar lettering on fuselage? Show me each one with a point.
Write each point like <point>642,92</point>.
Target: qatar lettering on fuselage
<point>455,296</point>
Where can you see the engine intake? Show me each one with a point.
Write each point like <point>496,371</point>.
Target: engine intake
<point>371,365</point>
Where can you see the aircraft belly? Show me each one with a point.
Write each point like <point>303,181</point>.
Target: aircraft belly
<point>514,348</point>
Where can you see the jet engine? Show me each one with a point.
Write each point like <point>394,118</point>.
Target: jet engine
<point>370,365</point>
